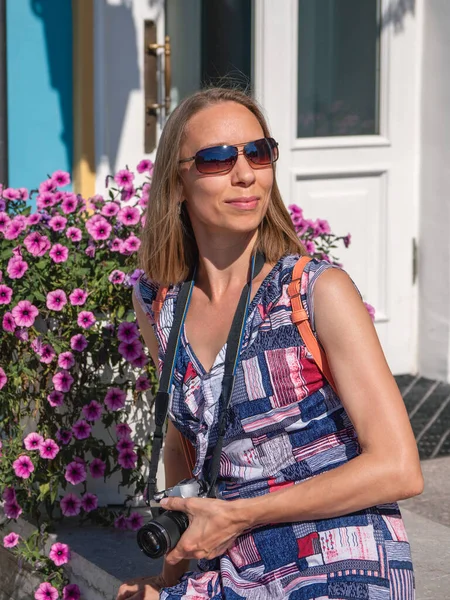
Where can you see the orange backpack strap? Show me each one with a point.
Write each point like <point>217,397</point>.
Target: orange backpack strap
<point>300,318</point>
<point>188,448</point>
<point>158,302</point>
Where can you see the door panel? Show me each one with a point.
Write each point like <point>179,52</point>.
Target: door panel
<point>356,168</point>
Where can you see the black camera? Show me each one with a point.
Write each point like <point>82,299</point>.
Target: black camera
<point>162,533</point>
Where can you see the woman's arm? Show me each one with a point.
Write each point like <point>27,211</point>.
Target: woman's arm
<point>388,468</point>
<point>175,467</point>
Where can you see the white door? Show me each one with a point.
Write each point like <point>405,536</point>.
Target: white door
<point>341,99</point>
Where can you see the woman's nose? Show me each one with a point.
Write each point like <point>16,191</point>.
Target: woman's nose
<point>242,172</point>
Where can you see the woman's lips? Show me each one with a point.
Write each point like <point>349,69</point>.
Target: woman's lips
<point>244,202</point>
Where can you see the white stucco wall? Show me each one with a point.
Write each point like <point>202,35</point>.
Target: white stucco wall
<point>434,243</point>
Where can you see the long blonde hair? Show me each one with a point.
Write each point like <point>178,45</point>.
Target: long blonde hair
<point>168,247</point>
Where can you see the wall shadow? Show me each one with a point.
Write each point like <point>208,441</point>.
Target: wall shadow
<point>58,41</point>
<point>396,12</point>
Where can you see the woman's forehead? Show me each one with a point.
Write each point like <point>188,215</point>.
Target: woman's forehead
<point>224,123</point>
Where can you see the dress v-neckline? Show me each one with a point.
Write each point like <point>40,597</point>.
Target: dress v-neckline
<point>190,350</point>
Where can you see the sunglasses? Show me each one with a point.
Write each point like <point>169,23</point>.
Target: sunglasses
<point>221,159</point>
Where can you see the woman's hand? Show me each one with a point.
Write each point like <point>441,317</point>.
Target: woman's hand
<point>141,588</point>
<point>213,527</point>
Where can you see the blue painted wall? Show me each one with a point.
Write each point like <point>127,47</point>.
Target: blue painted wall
<point>40,107</point>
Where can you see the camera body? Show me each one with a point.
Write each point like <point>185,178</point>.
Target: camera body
<point>163,532</point>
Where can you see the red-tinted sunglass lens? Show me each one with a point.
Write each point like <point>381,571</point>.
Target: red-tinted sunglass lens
<point>259,152</point>
<point>219,159</point>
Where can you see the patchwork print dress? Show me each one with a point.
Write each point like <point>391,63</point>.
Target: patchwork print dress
<point>285,425</point>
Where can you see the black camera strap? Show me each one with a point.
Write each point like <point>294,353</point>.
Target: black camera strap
<point>234,343</point>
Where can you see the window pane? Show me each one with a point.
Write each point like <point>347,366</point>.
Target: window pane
<point>338,68</point>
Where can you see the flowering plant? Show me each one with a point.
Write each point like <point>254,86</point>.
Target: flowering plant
<point>71,361</point>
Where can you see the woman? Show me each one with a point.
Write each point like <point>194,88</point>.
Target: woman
<point>337,533</point>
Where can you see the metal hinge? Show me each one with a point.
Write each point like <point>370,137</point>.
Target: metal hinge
<point>415,260</point>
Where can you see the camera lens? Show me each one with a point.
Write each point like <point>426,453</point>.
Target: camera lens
<point>162,534</point>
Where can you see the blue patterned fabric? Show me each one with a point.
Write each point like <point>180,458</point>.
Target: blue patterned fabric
<point>285,424</point>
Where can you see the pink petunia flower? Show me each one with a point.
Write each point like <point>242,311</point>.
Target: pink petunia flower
<point>64,436</point>
<point>144,165</point>
<point>78,297</point>
<point>23,193</point>
<point>23,467</point>
<point>59,554</point>
<point>347,240</point>
<point>62,381</point>
<point>78,342</point>
<point>124,178</point>
<point>57,223</point>
<point>32,441</point>
<point>116,277</point>
<point>47,354</point>
<point>130,350</point>
<point>74,234</point>
<point>135,521</point>
<point>4,221</point>
<point>11,194</point>
<point>125,444</point>
<point>127,332</point>
<point>45,200</point>
<point>142,383</point>
<point>115,398</point>
<point>81,429</point>
<point>131,244</point>
<point>121,522</point>
<point>140,362</point>
<point>123,430</point>
<point>92,411</point>
<point>55,398</point>
<point>66,360</point>
<point>310,247</point>
<point>47,186</point>
<point>116,245</point>
<point>22,334</point>
<point>110,209</point>
<point>8,322</point>
<point>370,310</point>
<point>127,459</point>
<point>97,468</point>
<point>17,267</point>
<point>69,204</point>
<point>13,230</point>
<point>5,294</point>
<point>59,253</point>
<point>71,592</point>
<point>70,505</point>
<point>75,473</point>
<point>24,313</point>
<point>129,215</point>
<point>60,178</point>
<point>11,540</point>
<point>9,494</point>
<point>98,227</point>
<point>12,510</point>
<point>89,502</point>
<point>48,449</point>
<point>46,592</point>
<point>86,319</point>
<point>56,300</point>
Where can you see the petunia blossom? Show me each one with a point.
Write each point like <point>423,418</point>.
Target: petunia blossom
<point>59,253</point>
<point>135,521</point>
<point>116,245</point>
<point>110,209</point>
<point>124,177</point>
<point>70,505</point>
<point>130,244</point>
<point>127,459</point>
<point>66,360</point>
<point>55,398</point>
<point>74,234</point>
<point>17,267</point>
<point>75,473</point>
<point>142,383</point>
<point>98,227</point>
<point>86,319</point>
<point>121,522</point>
<point>123,430</point>
<point>11,540</point>
<point>130,350</point>
<point>60,178</point>
<point>24,313</point>
<point>64,436</point>
<point>71,592</point>
<point>5,294</point>
<point>46,592</point>
<point>92,411</point>
<point>78,297</point>
<point>12,510</point>
<point>23,467</point>
<point>97,468</point>
<point>144,165</point>
<point>59,554</point>
<point>48,449</point>
<point>57,223</point>
<point>140,362</point>
<point>4,220</point>
<point>129,215</point>
<point>115,398</point>
<point>56,300</point>
<point>45,200</point>
<point>125,444</point>
<point>9,494</point>
<point>116,276</point>
<point>32,441</point>
<point>11,194</point>
<point>47,186</point>
<point>69,204</point>
<point>81,429</point>
<point>62,381</point>
<point>78,342</point>
<point>127,331</point>
<point>47,354</point>
<point>89,502</point>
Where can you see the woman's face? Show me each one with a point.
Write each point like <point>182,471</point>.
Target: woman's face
<point>227,202</point>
